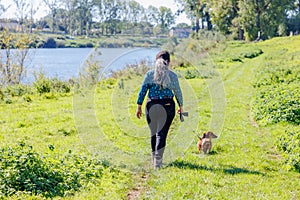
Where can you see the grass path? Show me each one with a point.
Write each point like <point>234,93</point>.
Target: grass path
<point>243,165</point>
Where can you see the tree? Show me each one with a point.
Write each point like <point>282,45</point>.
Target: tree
<point>112,15</point>
<point>22,11</point>
<point>70,15</point>
<point>223,12</point>
<point>261,18</point>
<point>195,10</point>
<point>293,20</point>
<point>12,67</point>
<point>53,5</point>
<point>152,14</point>
<point>3,9</point>
<point>165,18</point>
<point>33,8</point>
<point>84,15</point>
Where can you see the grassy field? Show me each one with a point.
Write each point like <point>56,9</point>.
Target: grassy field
<point>93,134</point>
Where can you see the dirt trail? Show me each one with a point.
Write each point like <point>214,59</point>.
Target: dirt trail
<point>136,191</point>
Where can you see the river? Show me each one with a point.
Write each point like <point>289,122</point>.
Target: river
<point>65,63</point>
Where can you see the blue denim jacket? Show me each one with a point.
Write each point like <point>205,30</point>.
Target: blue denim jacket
<point>157,92</point>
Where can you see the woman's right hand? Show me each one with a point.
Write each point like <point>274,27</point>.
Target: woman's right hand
<point>139,111</point>
<point>180,109</point>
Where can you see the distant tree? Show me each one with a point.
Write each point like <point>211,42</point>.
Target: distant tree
<point>165,18</point>
<point>134,11</point>
<point>84,15</point>
<point>22,11</point>
<point>195,10</point>
<point>152,14</point>
<point>69,20</point>
<point>33,8</point>
<point>3,8</point>
<point>53,5</point>
<point>112,15</point>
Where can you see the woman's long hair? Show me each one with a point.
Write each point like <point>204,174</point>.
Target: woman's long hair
<point>161,73</point>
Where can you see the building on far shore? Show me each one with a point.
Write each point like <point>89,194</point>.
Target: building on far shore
<point>180,32</point>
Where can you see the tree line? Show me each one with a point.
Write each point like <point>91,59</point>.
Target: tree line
<point>98,17</point>
<point>245,19</point>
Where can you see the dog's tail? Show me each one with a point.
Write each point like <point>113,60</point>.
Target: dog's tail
<point>200,138</point>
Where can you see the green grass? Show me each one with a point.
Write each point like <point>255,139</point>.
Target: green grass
<point>100,123</point>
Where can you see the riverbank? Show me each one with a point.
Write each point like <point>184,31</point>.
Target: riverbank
<point>43,40</point>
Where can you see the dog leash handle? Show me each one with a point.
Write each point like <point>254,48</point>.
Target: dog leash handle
<point>181,114</point>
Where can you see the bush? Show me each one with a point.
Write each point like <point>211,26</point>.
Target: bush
<point>190,74</point>
<point>278,103</point>
<point>289,144</point>
<point>23,170</point>
<point>81,45</point>
<point>252,54</point>
<point>89,45</point>
<point>17,90</point>
<point>44,84</point>
<point>278,95</point>
<point>50,43</point>
<point>278,75</point>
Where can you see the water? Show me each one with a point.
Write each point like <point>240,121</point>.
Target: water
<point>65,63</point>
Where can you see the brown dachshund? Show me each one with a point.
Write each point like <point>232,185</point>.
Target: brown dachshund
<point>204,143</point>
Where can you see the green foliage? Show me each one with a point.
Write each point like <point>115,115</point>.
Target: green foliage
<point>252,54</point>
<point>27,98</point>
<point>26,171</point>
<point>190,74</point>
<point>44,84</point>
<point>89,75</point>
<point>50,43</point>
<point>12,63</point>
<point>278,95</point>
<point>289,144</point>
<point>277,100</point>
<point>249,53</point>
<point>7,93</point>
<point>17,90</point>
<point>275,104</point>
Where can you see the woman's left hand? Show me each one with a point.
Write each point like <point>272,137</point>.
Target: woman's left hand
<point>139,111</point>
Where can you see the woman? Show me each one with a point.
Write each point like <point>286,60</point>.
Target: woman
<point>162,85</point>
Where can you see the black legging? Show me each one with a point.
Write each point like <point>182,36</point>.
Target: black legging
<point>159,114</point>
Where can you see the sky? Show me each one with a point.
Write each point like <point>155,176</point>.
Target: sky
<point>43,11</point>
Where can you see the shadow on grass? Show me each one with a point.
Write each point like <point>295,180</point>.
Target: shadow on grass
<point>223,168</point>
